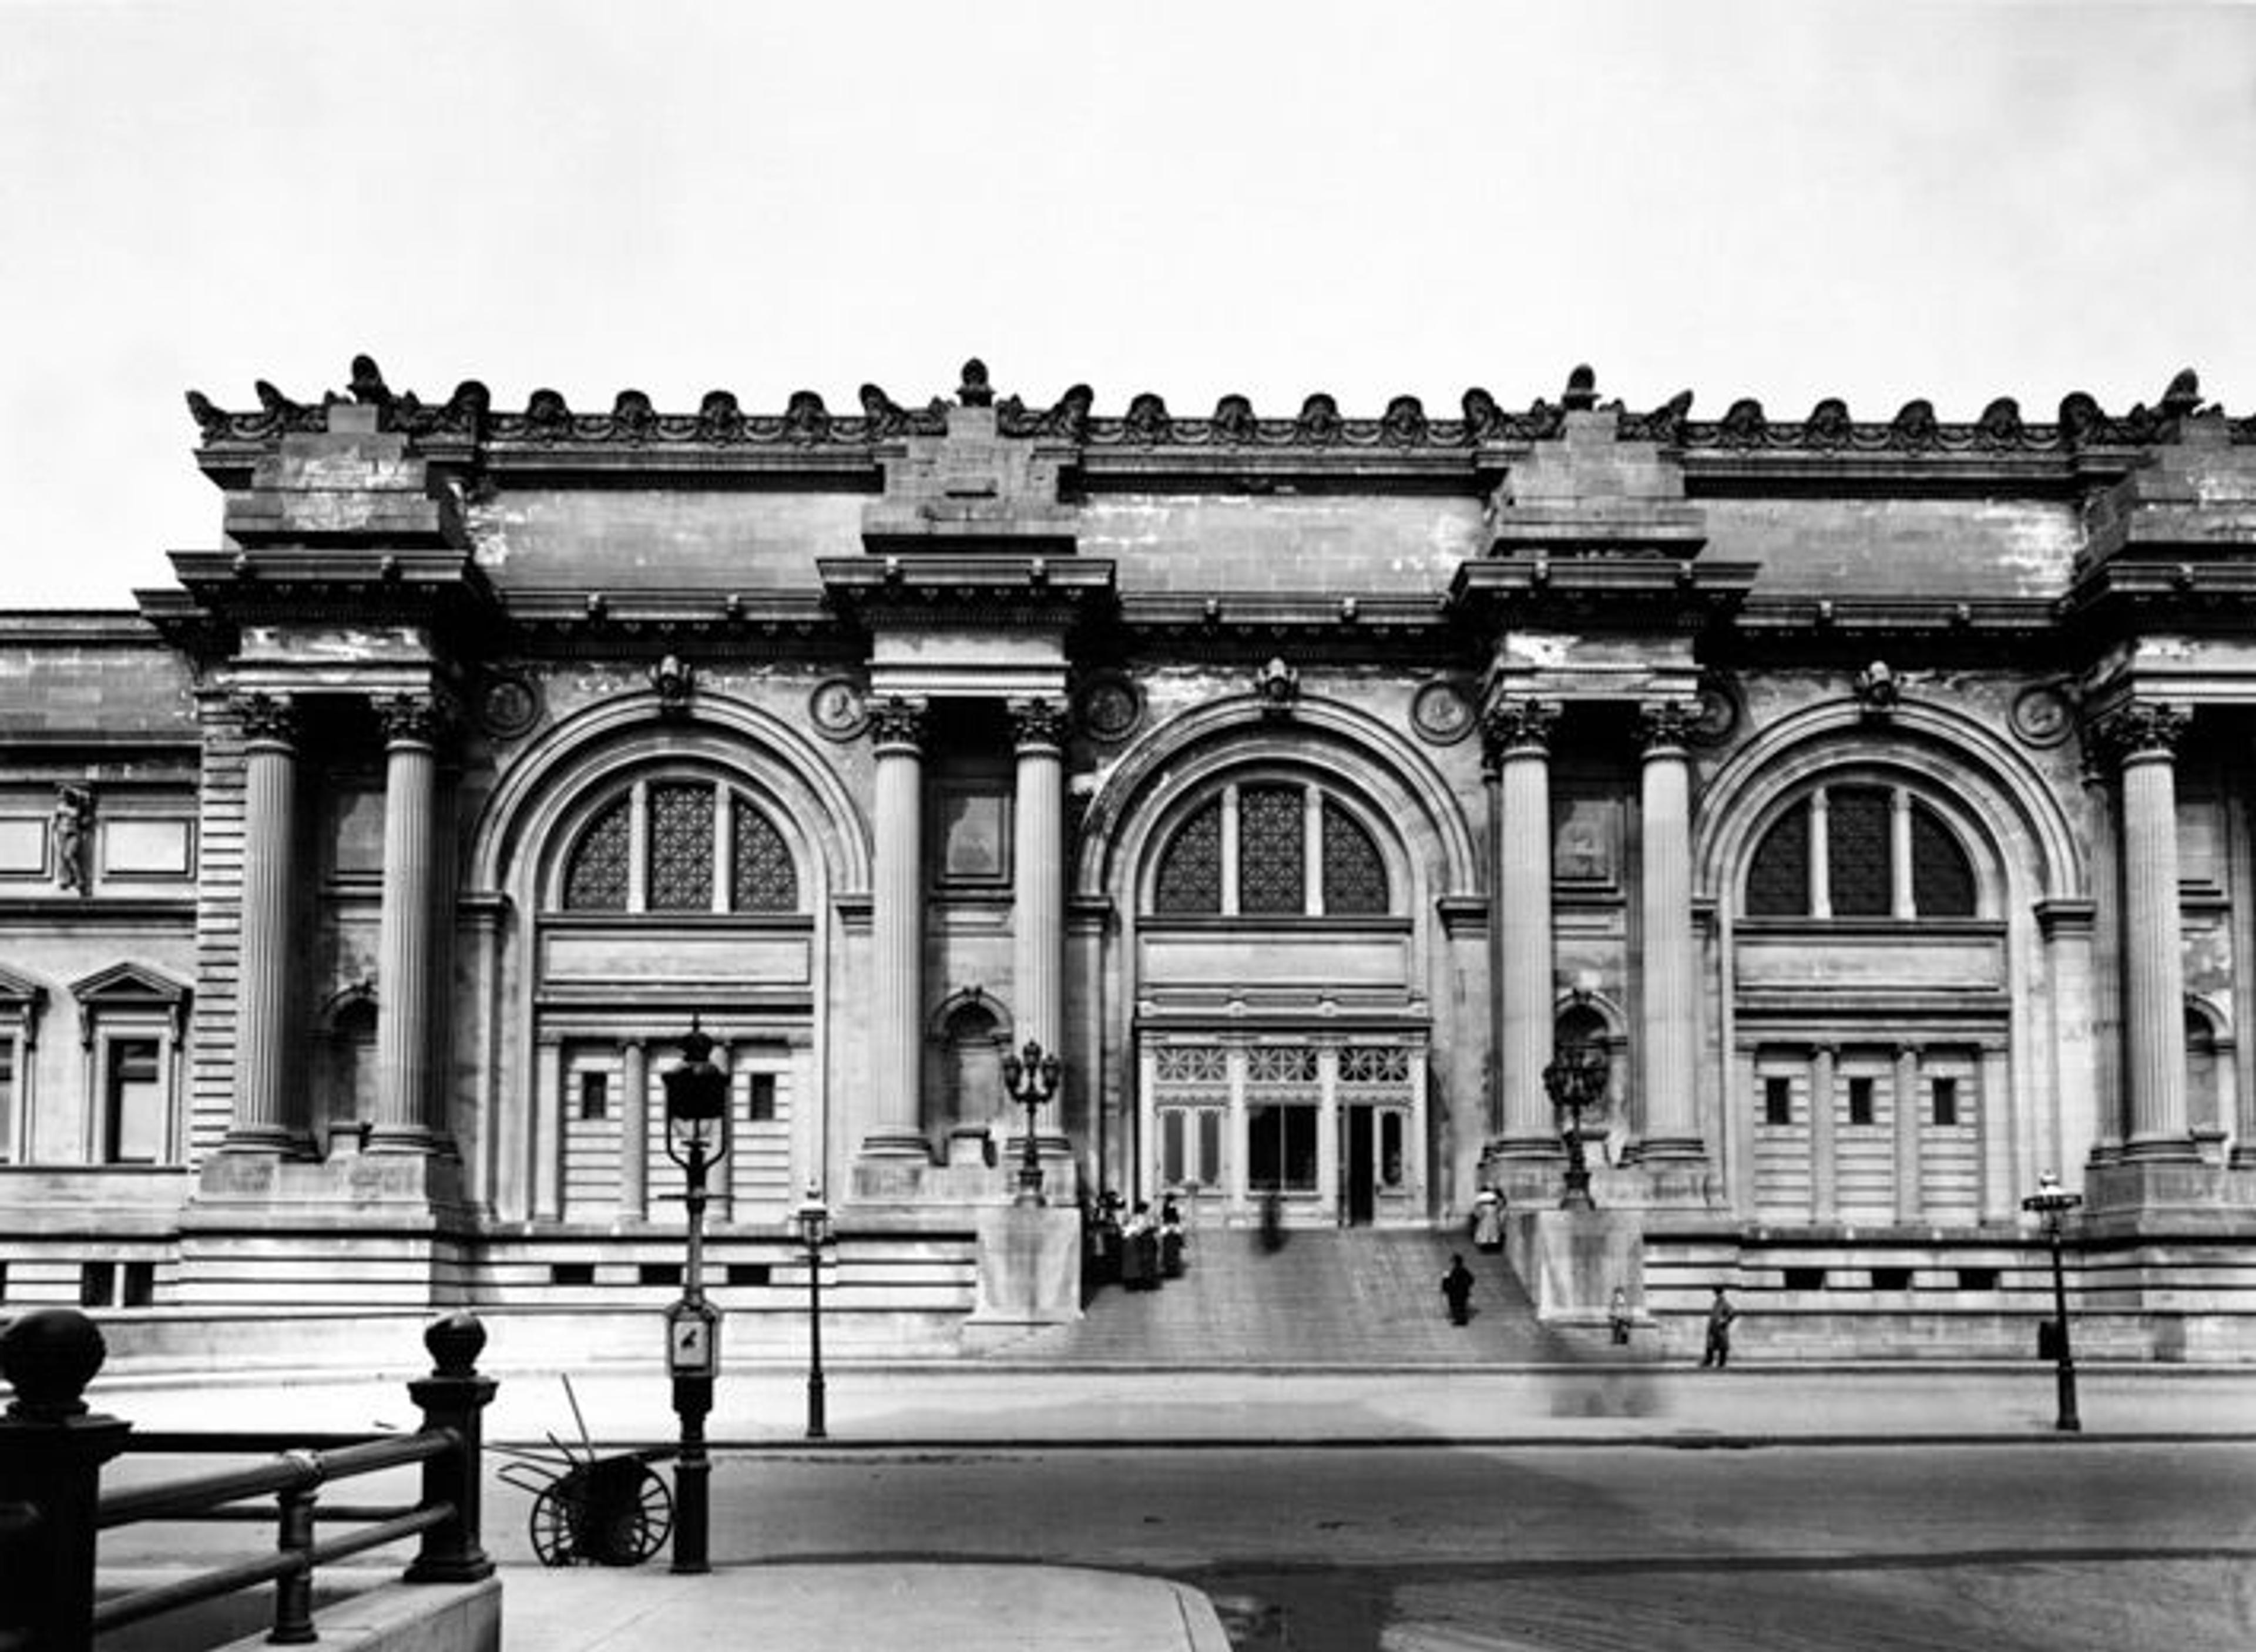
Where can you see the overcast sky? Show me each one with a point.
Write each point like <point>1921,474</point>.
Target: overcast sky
<point>1790,201</point>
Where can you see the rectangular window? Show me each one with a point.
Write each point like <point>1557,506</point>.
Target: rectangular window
<point>571,1273</point>
<point>1172,1120</point>
<point>133,1110</point>
<point>658,1274</point>
<point>1945,1093</point>
<point>1860,1101</point>
<point>1390,1150</point>
<point>97,1284</point>
<point>7,1102</point>
<point>594,1095</point>
<point>140,1284</point>
<point>761,1104</point>
<point>1778,1099</point>
<point>1281,1138</point>
<point>1891,1278</point>
<point>1190,1147</point>
<point>1977,1279</point>
<point>1805,1279</point>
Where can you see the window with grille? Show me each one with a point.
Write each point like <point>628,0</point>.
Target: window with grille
<point>1866,836</point>
<point>1944,1092</point>
<point>703,848</point>
<point>1856,851</point>
<point>594,1095</point>
<point>1292,851</point>
<point>1860,1101</point>
<point>1778,1099</point>
<point>1272,849</point>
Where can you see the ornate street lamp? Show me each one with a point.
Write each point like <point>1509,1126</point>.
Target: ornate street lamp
<point>696,1139</point>
<point>1031,1078</point>
<point>2052,1202</point>
<point>813,1218</point>
<point>1575,1078</point>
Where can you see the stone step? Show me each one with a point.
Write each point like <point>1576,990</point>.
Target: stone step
<point>1322,1298</point>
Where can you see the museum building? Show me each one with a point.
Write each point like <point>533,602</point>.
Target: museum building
<point>1868,803</point>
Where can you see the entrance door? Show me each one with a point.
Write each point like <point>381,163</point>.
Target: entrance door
<point>1359,1165</point>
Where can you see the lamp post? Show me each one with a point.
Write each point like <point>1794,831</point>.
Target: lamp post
<point>2052,1202</point>
<point>814,1217</point>
<point>1032,1078</point>
<point>696,1139</point>
<point>1575,1078</point>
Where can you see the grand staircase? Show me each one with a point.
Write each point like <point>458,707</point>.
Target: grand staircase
<point>1349,1298</point>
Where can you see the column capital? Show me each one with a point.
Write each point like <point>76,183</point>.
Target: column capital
<point>1664,727</point>
<point>411,719</point>
<point>1038,723</point>
<point>2144,730</point>
<point>269,719</point>
<point>1522,725</point>
<point>897,720</point>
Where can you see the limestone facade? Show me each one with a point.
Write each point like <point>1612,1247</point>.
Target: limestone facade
<point>1876,796</point>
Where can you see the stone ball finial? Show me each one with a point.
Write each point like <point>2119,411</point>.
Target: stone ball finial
<point>48,1357</point>
<point>456,1341</point>
<point>975,392</point>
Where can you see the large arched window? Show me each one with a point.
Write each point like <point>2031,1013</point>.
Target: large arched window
<point>1860,850</point>
<point>1272,847</point>
<point>679,845</point>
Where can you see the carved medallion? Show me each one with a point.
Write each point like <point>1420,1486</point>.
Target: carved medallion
<point>837,709</point>
<point>1719,710</point>
<point>2043,717</point>
<point>1441,712</point>
<point>508,705</point>
<point>1109,706</point>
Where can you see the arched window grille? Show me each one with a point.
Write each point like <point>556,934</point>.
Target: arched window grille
<point>1860,851</point>
<point>1272,849</point>
<point>680,845</point>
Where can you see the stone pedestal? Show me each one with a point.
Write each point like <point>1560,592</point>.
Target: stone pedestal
<point>1029,1271</point>
<point>1571,1261</point>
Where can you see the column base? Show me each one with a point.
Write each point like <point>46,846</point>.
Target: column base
<point>409,1139</point>
<point>897,1144</point>
<point>1029,1273</point>
<point>2161,1149</point>
<point>1667,1150</point>
<point>281,1141</point>
<point>2179,1189</point>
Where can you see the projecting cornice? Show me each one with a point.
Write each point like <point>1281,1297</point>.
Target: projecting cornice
<point>633,434</point>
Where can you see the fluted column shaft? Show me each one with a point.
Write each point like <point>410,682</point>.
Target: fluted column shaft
<point>894,1127</point>
<point>404,1118</point>
<point>2154,970</point>
<point>1671,1122</point>
<point>1038,935</point>
<point>1520,737</point>
<point>263,1088</point>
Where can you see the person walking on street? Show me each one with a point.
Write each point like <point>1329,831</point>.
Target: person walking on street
<point>1617,1317</point>
<point>1457,1286</point>
<point>1720,1315</point>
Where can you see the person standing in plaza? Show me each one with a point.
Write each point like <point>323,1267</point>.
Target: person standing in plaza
<point>1488,1220</point>
<point>1720,1315</point>
<point>1457,1287</point>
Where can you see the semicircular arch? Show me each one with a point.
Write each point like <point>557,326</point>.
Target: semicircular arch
<point>1371,762</point>
<point>1980,784</point>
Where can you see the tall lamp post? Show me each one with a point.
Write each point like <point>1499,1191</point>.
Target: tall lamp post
<point>1575,1078</point>
<point>1032,1078</point>
<point>696,1139</point>
<point>2052,1202</point>
<point>814,1217</point>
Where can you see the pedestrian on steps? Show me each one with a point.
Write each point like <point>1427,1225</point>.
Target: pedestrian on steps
<point>1488,1219</point>
<point>1720,1315</point>
<point>1171,1239</point>
<point>1457,1287</point>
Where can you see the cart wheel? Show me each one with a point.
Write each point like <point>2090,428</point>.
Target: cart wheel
<point>558,1513</point>
<point>632,1523</point>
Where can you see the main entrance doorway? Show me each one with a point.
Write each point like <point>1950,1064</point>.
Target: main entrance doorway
<point>1326,1126</point>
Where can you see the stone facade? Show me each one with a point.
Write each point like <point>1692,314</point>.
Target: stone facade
<point>1874,797</point>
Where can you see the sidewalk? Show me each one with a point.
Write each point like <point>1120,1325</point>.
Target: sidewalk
<point>764,1406</point>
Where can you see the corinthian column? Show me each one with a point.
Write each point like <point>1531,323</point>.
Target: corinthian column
<point>404,1121</point>
<point>1038,874</point>
<point>263,1121</point>
<point>1671,1121</point>
<point>2145,736</point>
<point>1519,741</point>
<point>895,1120</point>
